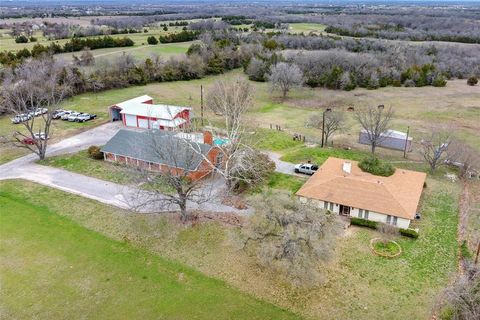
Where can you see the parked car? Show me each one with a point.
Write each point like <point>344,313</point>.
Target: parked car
<point>84,117</point>
<point>28,140</point>
<point>306,168</point>
<point>40,136</point>
<point>39,111</point>
<point>57,114</point>
<point>67,114</point>
<point>19,118</point>
<point>73,116</point>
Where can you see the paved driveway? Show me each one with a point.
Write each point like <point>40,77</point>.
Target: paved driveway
<point>118,195</point>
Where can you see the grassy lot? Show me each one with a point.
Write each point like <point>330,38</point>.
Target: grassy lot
<point>81,163</point>
<point>8,43</point>
<point>306,28</point>
<point>53,267</point>
<point>356,281</point>
<point>456,104</point>
<point>140,52</point>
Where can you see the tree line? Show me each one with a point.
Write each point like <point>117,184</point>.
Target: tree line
<point>10,58</point>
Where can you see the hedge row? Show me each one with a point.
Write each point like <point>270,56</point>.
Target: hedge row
<point>364,223</point>
<point>410,233</point>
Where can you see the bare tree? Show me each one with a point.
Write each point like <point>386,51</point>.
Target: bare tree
<point>178,180</point>
<point>231,99</point>
<point>375,122</point>
<point>291,238</point>
<point>33,92</point>
<point>464,157</point>
<point>284,76</point>
<point>334,121</point>
<point>435,146</point>
<point>86,58</point>
<point>463,297</point>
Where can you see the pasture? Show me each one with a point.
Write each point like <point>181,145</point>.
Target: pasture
<point>457,106</point>
<point>53,267</point>
<point>355,279</point>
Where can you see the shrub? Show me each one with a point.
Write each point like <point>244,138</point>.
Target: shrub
<point>473,80</point>
<point>33,39</point>
<point>21,39</point>
<point>377,167</point>
<point>363,223</point>
<point>439,81</point>
<point>466,254</point>
<point>94,152</point>
<point>152,40</point>
<point>410,233</point>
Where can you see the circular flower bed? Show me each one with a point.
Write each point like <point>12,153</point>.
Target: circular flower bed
<point>385,248</point>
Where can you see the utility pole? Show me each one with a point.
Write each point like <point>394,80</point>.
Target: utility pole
<point>406,143</point>
<point>201,103</point>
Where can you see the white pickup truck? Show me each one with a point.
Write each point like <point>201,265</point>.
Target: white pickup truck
<point>306,168</point>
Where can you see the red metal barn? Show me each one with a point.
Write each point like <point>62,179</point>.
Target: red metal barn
<point>140,112</point>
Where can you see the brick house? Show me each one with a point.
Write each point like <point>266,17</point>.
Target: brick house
<point>342,187</point>
<point>163,151</point>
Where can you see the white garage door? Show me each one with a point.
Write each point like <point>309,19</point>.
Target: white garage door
<point>130,120</point>
<point>143,123</point>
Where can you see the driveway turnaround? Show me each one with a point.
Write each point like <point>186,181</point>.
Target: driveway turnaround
<point>114,194</point>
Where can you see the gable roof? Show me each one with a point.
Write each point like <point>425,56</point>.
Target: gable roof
<point>161,147</point>
<point>159,111</point>
<point>134,101</point>
<point>397,195</point>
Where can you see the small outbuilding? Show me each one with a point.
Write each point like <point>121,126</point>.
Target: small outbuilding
<point>391,139</point>
<point>140,112</point>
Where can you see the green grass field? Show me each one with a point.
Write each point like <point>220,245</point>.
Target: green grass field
<point>307,28</point>
<point>7,42</point>
<point>456,104</point>
<point>356,281</point>
<point>54,268</point>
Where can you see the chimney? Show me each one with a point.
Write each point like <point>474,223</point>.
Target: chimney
<point>207,137</point>
<point>347,167</point>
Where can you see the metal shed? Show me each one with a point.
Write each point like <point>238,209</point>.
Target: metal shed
<point>391,139</point>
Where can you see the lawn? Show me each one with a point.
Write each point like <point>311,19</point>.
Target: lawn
<point>356,281</point>
<point>52,267</point>
<point>81,163</point>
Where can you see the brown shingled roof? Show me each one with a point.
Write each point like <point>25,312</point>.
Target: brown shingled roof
<point>397,195</point>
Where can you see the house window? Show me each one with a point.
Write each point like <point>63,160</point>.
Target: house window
<point>366,214</point>
<point>389,219</point>
<point>394,221</point>
<point>331,206</point>
<point>325,205</point>
<point>360,213</point>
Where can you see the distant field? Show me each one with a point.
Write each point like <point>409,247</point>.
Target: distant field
<point>52,267</point>
<point>140,52</point>
<point>307,28</point>
<point>8,43</point>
